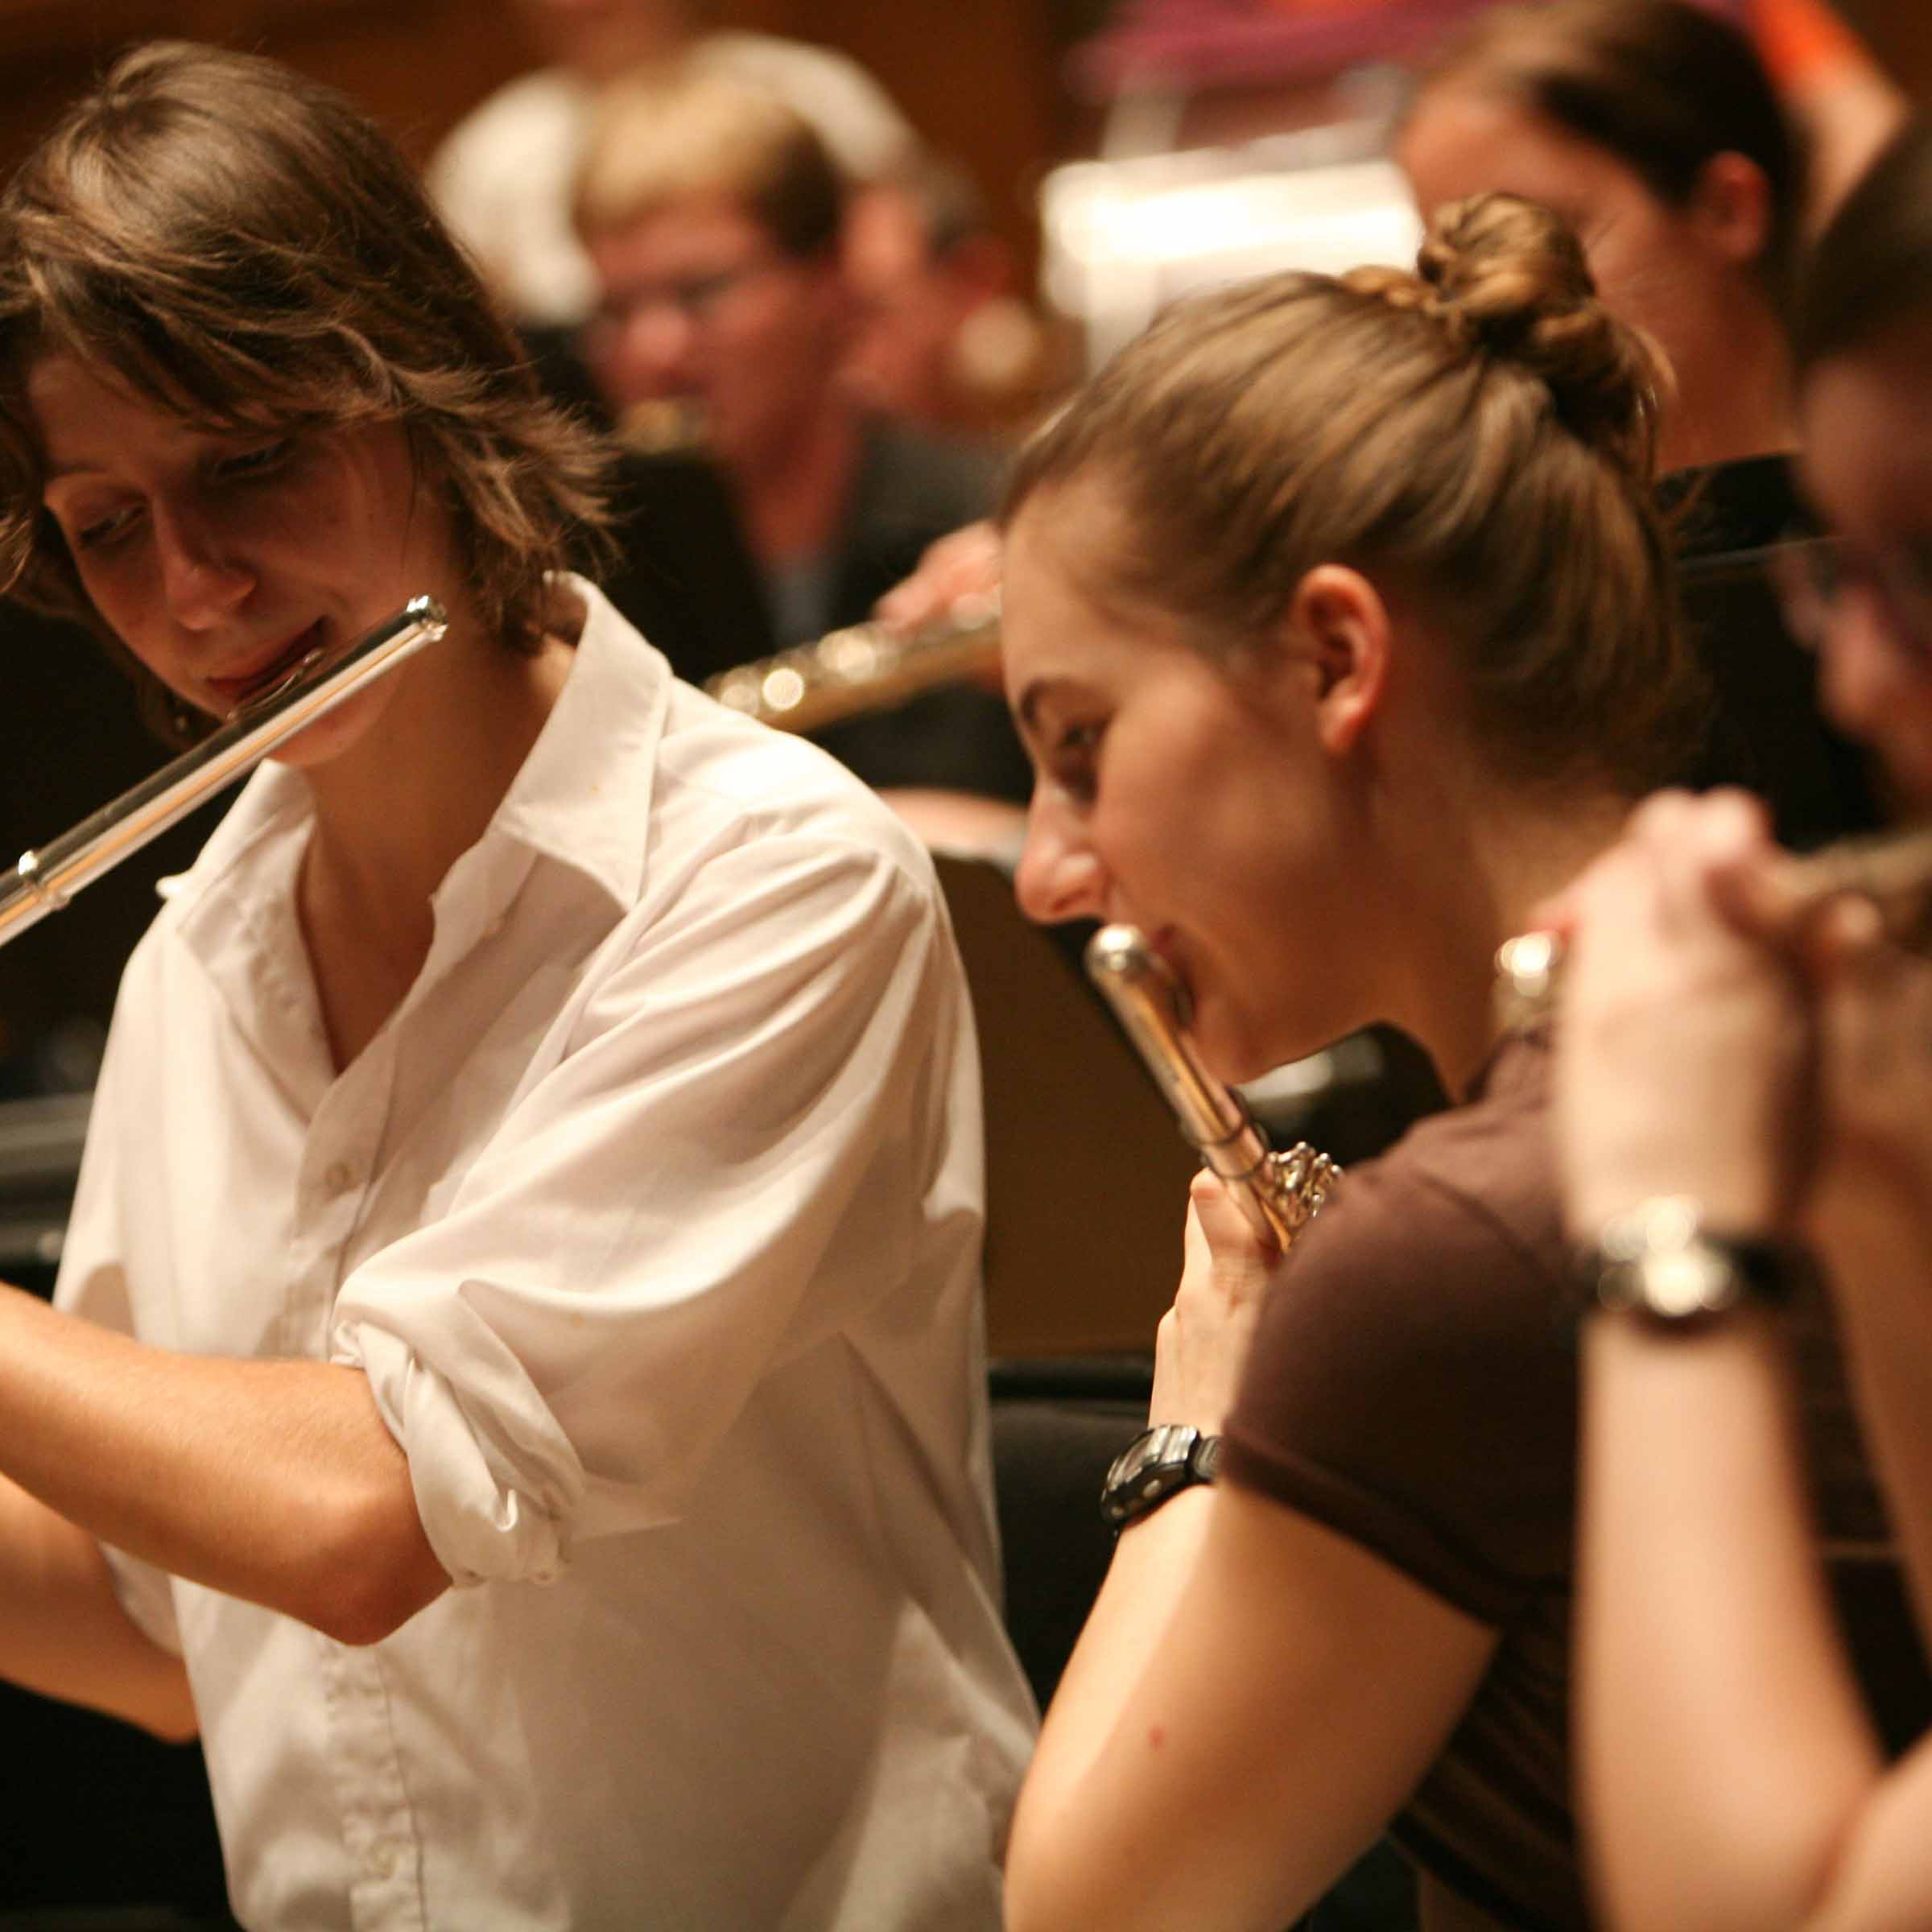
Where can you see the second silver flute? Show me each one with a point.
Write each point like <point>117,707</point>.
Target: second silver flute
<point>45,879</point>
<point>1279,1193</point>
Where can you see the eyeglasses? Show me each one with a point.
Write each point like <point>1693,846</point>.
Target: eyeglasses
<point>697,298</point>
<point>1813,574</point>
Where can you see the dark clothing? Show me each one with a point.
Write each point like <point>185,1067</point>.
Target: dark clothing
<point>910,490</point>
<point>1767,734</point>
<point>689,581</point>
<point>1412,1387</point>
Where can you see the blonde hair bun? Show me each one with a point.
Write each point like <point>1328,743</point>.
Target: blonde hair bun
<point>1510,279</point>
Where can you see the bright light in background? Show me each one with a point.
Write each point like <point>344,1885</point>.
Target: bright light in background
<point>1123,238</point>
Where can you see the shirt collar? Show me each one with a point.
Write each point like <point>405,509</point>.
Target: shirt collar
<point>607,721</point>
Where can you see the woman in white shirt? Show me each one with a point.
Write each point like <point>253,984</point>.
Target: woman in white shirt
<point>537,1151</point>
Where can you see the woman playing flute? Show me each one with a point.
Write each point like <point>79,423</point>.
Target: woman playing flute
<point>515,1387</point>
<point>1338,625</point>
<point>1745,1097</point>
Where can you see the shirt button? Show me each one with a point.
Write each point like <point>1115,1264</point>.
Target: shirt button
<point>340,1177</point>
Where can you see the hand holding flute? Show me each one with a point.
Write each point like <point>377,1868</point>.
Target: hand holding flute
<point>1748,1029</point>
<point>1247,1207</point>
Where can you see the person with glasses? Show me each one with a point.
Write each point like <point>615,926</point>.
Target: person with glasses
<point>715,220</point>
<point>1745,1100</point>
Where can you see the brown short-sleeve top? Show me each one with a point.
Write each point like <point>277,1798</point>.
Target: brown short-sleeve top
<point>1413,1386</point>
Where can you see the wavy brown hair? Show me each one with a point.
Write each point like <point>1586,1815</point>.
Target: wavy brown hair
<point>1479,433</point>
<point>240,247</point>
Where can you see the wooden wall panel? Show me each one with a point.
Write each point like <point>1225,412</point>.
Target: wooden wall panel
<point>416,64</point>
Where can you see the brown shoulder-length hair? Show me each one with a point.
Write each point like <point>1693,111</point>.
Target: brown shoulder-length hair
<point>233,243</point>
<point>1480,435</point>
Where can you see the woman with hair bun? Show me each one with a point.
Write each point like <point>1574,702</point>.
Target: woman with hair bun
<point>1339,627</point>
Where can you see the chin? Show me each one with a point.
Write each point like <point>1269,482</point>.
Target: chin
<point>331,735</point>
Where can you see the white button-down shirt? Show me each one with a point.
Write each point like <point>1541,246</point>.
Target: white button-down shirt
<point>653,1216</point>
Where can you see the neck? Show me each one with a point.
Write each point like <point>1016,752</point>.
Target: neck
<point>1739,372</point>
<point>794,501</point>
<point>416,790</point>
<point>1481,881</point>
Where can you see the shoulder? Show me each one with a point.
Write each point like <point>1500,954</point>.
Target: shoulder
<point>723,780</point>
<point>1451,1243</point>
<point>1411,1383</point>
<point>911,476</point>
<point>539,108</point>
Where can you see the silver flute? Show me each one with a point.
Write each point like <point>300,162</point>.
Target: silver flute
<point>1893,870</point>
<point>44,880</point>
<point>1279,1193</point>
<point>864,667</point>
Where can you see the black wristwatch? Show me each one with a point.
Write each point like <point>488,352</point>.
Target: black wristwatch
<point>1154,1466</point>
<point>1658,1260</point>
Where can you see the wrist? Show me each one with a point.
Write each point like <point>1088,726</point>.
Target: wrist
<point>1667,1261</point>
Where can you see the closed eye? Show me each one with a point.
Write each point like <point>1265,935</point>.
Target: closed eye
<point>246,465</point>
<point>102,533</point>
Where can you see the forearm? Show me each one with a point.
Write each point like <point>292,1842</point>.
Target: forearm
<point>1145,1587</point>
<point>274,1481</point>
<point>62,1631</point>
<point>1724,1755</point>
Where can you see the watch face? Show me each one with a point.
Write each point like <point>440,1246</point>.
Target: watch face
<point>1694,1280</point>
<point>1168,1443</point>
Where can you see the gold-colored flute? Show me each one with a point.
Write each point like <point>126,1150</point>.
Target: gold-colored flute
<point>864,667</point>
<point>44,880</point>
<point>1891,869</point>
<point>1279,1193</point>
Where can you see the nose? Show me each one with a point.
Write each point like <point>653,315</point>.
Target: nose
<point>652,352</point>
<point>1059,876</point>
<point>202,581</point>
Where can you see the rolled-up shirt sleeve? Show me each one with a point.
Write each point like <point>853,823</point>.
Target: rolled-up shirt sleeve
<point>730,1141</point>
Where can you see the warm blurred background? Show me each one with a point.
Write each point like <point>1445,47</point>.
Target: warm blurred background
<point>985,80</point>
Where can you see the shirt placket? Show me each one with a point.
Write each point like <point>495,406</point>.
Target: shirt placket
<point>379,1833</point>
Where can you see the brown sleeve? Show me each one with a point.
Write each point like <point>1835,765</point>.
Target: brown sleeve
<point>1411,1384</point>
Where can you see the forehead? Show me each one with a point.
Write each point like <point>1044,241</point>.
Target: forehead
<point>1063,622</point>
<point>82,414</point>
<point>711,230</point>
<point>1462,141</point>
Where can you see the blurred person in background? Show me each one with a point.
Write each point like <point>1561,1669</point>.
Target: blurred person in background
<point>1744,1097</point>
<point>503,176</point>
<point>1652,127</point>
<point>714,218</point>
<point>944,338</point>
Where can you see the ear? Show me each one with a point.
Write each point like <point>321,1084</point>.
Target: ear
<point>1340,615</point>
<point>1730,207</point>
